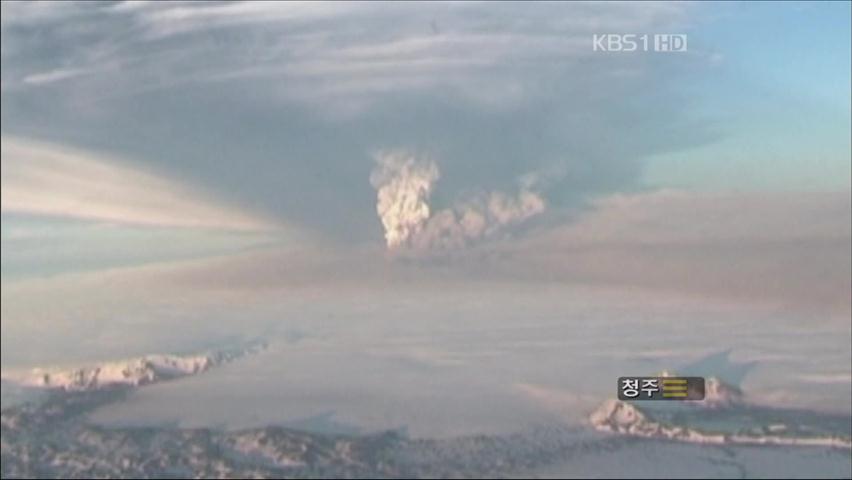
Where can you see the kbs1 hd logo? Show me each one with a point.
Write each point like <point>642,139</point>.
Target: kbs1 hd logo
<point>629,42</point>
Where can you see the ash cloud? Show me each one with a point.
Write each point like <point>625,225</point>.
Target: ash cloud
<point>404,182</point>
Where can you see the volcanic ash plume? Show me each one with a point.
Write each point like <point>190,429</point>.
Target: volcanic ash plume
<point>479,217</point>
<point>403,184</point>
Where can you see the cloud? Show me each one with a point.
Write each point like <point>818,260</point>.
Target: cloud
<point>52,180</point>
<point>277,105</point>
<point>404,183</point>
<point>159,20</point>
<point>728,249</point>
<point>678,217</point>
<point>55,75</point>
<point>568,404</point>
<point>786,249</point>
<point>482,216</point>
<point>325,50</point>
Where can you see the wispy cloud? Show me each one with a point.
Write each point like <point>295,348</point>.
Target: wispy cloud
<point>317,51</point>
<point>55,75</point>
<point>46,179</point>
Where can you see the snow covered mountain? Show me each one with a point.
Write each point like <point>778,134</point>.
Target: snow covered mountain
<point>709,421</point>
<point>54,438</point>
<point>133,372</point>
<point>720,394</point>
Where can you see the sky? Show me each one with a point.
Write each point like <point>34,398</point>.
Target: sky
<point>782,90</point>
<point>336,145</point>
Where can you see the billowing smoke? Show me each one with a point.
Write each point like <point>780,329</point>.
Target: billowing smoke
<point>404,182</point>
